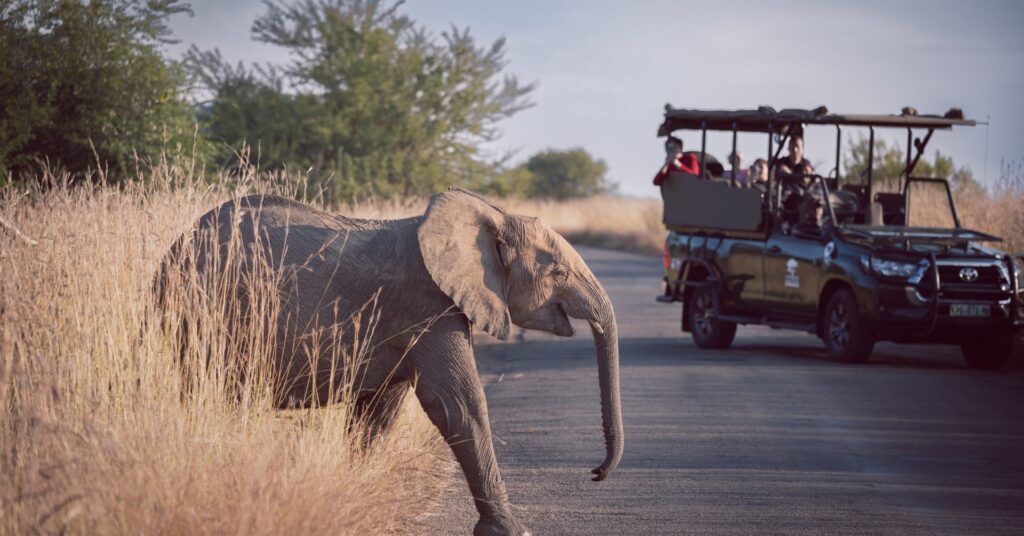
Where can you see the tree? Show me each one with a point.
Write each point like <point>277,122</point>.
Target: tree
<point>83,84</point>
<point>889,164</point>
<point>565,174</point>
<point>370,101</point>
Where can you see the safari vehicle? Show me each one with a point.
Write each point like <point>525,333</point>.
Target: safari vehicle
<point>861,274</point>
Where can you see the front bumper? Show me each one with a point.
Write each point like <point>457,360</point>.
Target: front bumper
<point>902,314</point>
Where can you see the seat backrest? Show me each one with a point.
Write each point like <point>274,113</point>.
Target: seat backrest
<point>845,205</point>
<point>892,207</point>
<point>877,214</point>
<point>691,202</point>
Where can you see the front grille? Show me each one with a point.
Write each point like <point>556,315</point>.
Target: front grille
<point>988,276</point>
<point>990,283</point>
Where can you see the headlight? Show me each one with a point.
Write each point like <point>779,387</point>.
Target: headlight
<point>1018,268</point>
<point>902,269</point>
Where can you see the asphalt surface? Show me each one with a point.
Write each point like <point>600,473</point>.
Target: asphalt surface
<point>768,437</point>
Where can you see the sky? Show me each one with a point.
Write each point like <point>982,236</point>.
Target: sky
<point>606,69</point>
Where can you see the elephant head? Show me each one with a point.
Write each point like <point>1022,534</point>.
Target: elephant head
<point>502,269</point>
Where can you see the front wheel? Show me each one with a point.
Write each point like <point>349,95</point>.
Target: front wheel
<point>846,337</point>
<point>707,329</point>
<point>987,354</point>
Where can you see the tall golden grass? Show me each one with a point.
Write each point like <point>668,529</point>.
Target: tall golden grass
<point>999,212</point>
<point>103,431</point>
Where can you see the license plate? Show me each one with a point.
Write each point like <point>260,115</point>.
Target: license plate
<point>968,309</point>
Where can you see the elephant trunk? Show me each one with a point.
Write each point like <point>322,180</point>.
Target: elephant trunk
<point>607,342</point>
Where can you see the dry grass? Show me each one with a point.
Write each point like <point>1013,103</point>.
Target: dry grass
<point>1000,214</point>
<point>96,436</point>
<point>623,223</point>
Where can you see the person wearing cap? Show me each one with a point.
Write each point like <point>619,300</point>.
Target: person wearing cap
<point>812,215</point>
<point>676,161</point>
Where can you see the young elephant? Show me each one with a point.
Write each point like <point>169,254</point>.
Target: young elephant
<point>464,262</point>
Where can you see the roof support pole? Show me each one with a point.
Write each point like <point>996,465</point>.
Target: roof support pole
<point>771,164</point>
<point>703,147</point>
<point>783,141</point>
<point>734,157</point>
<point>920,146</point>
<point>905,187</point>
<point>839,140</point>
<point>910,147</point>
<point>871,162</point>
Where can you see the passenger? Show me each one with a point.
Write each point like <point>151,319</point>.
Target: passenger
<point>795,190</point>
<point>794,162</point>
<point>812,216</point>
<point>741,175</point>
<point>676,161</point>
<point>758,176</point>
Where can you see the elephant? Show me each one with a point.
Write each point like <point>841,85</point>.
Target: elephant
<point>464,263</point>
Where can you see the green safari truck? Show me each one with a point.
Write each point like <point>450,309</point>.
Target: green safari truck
<point>833,256</point>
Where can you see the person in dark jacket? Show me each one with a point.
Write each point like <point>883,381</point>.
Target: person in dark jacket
<point>794,162</point>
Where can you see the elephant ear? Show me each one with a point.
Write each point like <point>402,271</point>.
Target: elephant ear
<point>459,240</point>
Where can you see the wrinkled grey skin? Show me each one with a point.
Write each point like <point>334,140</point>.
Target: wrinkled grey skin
<point>464,262</point>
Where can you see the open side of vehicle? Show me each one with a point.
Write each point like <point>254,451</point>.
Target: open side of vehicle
<point>853,274</point>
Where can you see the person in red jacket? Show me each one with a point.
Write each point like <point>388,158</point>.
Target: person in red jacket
<point>676,161</point>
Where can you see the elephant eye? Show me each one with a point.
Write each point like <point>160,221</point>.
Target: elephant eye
<point>560,274</point>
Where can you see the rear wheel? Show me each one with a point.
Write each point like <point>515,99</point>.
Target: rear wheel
<point>707,329</point>
<point>987,354</point>
<point>846,337</point>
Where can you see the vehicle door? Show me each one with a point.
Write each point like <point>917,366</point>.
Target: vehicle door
<point>792,273</point>
<point>743,266</point>
<point>793,266</point>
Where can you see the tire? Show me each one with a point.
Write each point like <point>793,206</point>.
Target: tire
<point>987,354</point>
<point>847,338</point>
<point>707,330</point>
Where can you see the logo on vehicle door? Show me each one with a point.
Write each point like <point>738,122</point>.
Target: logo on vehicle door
<point>830,250</point>
<point>969,274</point>
<point>792,280</point>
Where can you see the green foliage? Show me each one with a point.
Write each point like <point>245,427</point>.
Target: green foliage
<point>556,174</point>
<point>889,163</point>
<point>514,182</point>
<point>370,103</point>
<point>83,85</point>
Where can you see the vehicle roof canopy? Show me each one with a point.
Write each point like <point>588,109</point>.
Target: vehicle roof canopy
<point>766,118</point>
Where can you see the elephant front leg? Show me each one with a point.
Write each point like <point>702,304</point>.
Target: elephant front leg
<point>454,400</point>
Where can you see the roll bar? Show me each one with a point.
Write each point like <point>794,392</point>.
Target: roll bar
<point>788,122</point>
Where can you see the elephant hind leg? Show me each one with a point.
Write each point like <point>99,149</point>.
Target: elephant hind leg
<point>378,411</point>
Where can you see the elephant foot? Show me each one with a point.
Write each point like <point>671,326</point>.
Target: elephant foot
<point>493,526</point>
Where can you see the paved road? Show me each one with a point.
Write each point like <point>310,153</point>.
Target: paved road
<point>768,437</point>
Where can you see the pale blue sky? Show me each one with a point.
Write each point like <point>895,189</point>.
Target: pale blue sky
<point>606,69</point>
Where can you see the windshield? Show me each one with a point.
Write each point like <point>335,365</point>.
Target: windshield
<point>930,204</point>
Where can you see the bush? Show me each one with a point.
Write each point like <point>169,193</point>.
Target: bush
<point>83,86</point>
